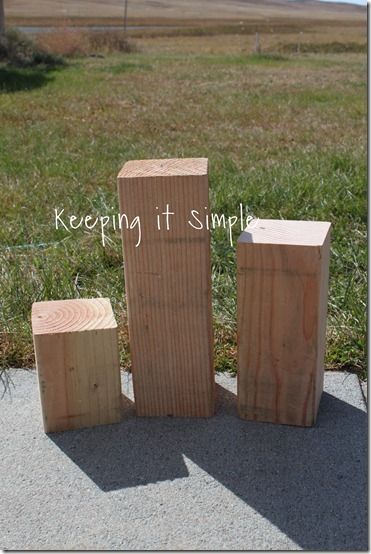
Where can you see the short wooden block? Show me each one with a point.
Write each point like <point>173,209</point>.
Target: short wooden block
<point>168,287</point>
<point>77,361</point>
<point>282,282</point>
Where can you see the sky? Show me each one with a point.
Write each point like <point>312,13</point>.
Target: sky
<point>359,2</point>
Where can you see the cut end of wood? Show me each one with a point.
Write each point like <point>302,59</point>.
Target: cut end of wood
<point>164,168</point>
<point>285,232</point>
<point>67,316</point>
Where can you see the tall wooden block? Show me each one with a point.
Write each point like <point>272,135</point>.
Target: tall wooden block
<point>168,286</point>
<point>77,361</point>
<point>282,284</point>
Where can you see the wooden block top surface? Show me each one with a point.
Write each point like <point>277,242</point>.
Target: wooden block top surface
<point>165,168</point>
<point>67,316</point>
<point>285,232</point>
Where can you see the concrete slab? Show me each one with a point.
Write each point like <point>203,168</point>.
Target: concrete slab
<point>204,484</point>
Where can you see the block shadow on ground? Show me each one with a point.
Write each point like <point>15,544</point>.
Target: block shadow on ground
<point>310,483</point>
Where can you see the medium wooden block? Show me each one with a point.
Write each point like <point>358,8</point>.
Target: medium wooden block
<point>168,287</point>
<point>77,361</point>
<point>282,283</point>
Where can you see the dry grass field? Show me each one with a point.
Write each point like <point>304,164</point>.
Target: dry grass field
<point>176,11</point>
<point>181,9</point>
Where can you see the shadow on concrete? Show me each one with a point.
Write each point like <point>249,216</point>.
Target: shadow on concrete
<point>310,483</point>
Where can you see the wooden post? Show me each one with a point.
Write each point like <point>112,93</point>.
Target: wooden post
<point>77,362</point>
<point>168,286</point>
<point>299,42</point>
<point>125,16</point>
<point>2,18</point>
<point>282,281</point>
<point>257,43</point>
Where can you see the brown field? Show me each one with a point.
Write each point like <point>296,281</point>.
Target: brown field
<point>280,22</point>
<point>310,23</point>
<point>176,11</point>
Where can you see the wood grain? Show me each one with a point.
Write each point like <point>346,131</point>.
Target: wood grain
<point>77,361</point>
<point>282,282</point>
<point>168,288</point>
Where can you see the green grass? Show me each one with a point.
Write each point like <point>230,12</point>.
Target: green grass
<point>124,67</point>
<point>326,47</point>
<point>265,59</point>
<point>285,137</point>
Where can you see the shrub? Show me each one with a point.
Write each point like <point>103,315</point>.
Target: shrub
<point>72,42</point>
<point>110,41</point>
<point>20,50</point>
<point>65,42</point>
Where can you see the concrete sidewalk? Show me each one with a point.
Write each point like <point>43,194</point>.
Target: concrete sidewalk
<point>166,483</point>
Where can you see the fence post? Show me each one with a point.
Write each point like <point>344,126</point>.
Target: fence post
<point>257,43</point>
<point>299,42</point>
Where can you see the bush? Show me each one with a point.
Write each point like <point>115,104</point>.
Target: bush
<point>110,41</point>
<point>20,50</point>
<point>65,42</point>
<point>71,42</point>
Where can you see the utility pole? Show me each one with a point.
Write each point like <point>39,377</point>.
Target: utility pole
<point>2,18</point>
<point>125,16</point>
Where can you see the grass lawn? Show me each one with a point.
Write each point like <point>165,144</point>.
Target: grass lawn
<point>285,136</point>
